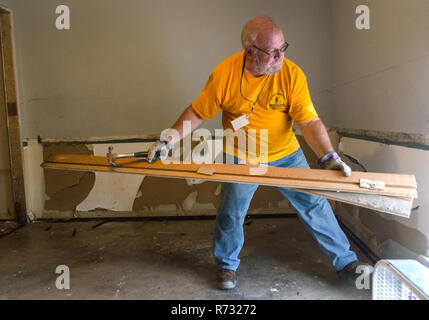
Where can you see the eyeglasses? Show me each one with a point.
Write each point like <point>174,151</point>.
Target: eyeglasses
<point>274,52</point>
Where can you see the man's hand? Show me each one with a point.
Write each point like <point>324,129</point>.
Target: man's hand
<point>317,138</point>
<point>159,150</point>
<point>332,161</point>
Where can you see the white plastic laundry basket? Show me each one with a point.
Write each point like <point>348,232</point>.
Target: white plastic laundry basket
<point>400,279</point>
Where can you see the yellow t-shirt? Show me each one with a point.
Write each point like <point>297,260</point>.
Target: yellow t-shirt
<point>284,99</point>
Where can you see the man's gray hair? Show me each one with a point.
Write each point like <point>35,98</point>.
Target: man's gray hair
<point>251,29</point>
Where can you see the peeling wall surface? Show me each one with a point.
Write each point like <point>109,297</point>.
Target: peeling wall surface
<point>111,191</point>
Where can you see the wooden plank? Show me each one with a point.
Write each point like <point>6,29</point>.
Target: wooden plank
<point>257,179</point>
<point>390,180</point>
<point>397,205</point>
<point>396,198</point>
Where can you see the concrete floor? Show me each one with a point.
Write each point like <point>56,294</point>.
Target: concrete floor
<point>165,260</point>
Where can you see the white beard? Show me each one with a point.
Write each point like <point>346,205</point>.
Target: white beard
<point>272,69</point>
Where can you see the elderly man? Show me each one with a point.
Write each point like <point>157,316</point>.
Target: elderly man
<point>264,90</point>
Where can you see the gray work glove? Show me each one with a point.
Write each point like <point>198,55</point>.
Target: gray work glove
<point>332,161</point>
<point>159,150</point>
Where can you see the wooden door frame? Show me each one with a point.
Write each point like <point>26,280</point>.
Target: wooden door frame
<point>10,103</point>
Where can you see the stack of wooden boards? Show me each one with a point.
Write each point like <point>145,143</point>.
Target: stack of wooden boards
<point>390,193</point>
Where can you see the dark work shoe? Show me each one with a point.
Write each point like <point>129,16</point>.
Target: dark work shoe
<point>355,270</point>
<point>226,279</point>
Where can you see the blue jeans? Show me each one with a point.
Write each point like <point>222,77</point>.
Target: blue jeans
<point>315,213</point>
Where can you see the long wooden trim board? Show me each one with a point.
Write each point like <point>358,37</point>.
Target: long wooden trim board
<point>396,198</point>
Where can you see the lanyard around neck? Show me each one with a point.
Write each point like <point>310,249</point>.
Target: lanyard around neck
<point>241,80</point>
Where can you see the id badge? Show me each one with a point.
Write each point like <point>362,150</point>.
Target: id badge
<point>240,122</point>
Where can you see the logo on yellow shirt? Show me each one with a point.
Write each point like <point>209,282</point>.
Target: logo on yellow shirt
<point>277,101</point>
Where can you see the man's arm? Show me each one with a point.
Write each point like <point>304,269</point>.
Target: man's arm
<point>188,115</point>
<point>162,147</point>
<point>317,138</point>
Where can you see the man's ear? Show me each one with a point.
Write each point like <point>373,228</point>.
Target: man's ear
<point>248,52</point>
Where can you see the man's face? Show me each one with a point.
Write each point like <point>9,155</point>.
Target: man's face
<point>271,42</point>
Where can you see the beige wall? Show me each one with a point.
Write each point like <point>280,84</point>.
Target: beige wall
<point>381,75</point>
<point>130,67</point>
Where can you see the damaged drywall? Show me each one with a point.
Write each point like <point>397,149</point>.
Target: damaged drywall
<point>111,192</point>
<point>66,189</point>
<point>378,229</point>
<point>115,192</point>
<point>68,198</point>
<point>174,192</point>
<point>390,229</point>
<point>177,195</point>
